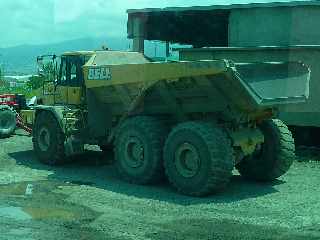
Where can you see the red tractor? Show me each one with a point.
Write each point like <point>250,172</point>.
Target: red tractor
<point>10,119</point>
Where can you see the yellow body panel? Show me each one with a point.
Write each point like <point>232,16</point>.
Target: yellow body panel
<point>47,95</point>
<point>148,73</point>
<point>28,116</point>
<point>74,95</point>
<point>61,95</point>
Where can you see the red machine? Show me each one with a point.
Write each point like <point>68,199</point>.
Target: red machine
<point>9,100</point>
<point>11,104</point>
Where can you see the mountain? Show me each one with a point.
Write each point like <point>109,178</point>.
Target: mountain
<point>21,60</point>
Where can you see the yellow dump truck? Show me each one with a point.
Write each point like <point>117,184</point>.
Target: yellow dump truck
<point>191,121</point>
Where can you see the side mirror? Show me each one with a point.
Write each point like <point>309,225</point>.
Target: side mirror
<point>40,72</point>
<point>55,84</point>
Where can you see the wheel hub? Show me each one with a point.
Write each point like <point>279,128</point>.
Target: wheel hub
<point>187,160</point>
<point>134,156</point>
<point>44,139</point>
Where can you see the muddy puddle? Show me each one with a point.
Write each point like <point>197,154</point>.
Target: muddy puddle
<point>35,210</point>
<point>39,201</point>
<point>16,213</point>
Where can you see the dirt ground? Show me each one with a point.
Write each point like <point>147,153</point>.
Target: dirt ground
<point>85,200</point>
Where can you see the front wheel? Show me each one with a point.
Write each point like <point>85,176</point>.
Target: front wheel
<point>275,156</point>
<point>48,139</point>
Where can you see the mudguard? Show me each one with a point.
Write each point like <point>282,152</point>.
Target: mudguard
<point>56,110</point>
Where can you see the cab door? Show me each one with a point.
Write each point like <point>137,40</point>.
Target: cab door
<point>69,88</point>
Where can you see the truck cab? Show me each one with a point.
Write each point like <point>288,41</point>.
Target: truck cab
<point>67,84</point>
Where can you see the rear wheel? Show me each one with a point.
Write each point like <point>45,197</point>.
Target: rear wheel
<point>138,150</point>
<point>275,156</point>
<point>198,158</point>
<point>48,139</point>
<point>7,122</point>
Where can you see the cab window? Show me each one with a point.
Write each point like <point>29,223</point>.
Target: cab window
<point>63,72</point>
<point>71,71</point>
<point>74,75</point>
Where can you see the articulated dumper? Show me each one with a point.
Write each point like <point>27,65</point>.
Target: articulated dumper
<point>191,121</point>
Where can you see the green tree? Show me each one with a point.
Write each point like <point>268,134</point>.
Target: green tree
<point>2,81</point>
<point>49,71</point>
<point>35,82</point>
<point>48,74</point>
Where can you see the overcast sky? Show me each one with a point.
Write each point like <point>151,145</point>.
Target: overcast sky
<point>48,21</point>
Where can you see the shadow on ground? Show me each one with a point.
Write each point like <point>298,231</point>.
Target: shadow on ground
<point>307,154</point>
<point>95,169</point>
<point>202,228</point>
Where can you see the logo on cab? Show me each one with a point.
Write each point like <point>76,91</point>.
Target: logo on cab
<point>102,73</point>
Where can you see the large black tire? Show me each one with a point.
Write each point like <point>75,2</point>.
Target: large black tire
<point>138,150</point>
<point>48,139</point>
<point>275,156</point>
<point>198,158</point>
<point>7,122</point>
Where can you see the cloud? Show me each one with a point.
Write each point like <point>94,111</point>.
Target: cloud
<point>22,22</point>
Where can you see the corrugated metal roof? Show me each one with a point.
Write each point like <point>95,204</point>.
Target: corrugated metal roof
<point>227,6</point>
<point>277,48</point>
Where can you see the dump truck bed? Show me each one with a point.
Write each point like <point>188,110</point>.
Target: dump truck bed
<point>303,114</point>
<point>130,82</point>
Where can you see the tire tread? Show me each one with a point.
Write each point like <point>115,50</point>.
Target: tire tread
<point>59,156</point>
<point>221,155</point>
<point>283,156</point>
<point>156,134</point>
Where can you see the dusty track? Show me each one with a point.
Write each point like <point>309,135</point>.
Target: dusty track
<point>86,200</point>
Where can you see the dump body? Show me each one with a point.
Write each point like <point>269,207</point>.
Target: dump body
<point>301,114</point>
<point>134,84</point>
